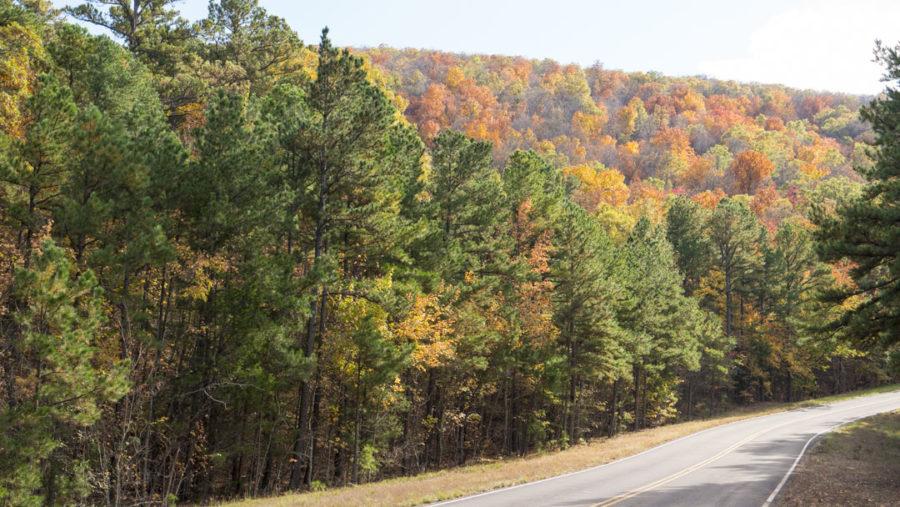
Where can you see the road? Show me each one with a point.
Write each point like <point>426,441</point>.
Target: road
<point>736,464</point>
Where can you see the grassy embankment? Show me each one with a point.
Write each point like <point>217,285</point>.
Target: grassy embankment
<point>857,464</point>
<point>488,475</point>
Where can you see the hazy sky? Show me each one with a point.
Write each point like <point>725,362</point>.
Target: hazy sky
<point>823,45</point>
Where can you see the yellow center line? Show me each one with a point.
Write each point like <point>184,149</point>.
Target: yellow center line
<point>677,475</point>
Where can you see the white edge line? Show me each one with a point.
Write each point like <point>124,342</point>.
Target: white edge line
<point>797,461</point>
<point>803,451</point>
<point>507,488</point>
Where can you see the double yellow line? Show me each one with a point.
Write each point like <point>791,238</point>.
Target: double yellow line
<point>677,475</point>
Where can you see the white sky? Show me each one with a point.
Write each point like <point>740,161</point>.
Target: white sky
<point>819,45</point>
<point>822,45</point>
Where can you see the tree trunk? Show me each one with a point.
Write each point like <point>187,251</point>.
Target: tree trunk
<point>313,432</point>
<point>356,416</point>
<point>306,395</point>
<point>429,414</point>
<point>507,423</point>
<point>570,402</point>
<point>636,375</point>
<point>614,410</point>
<point>690,396</point>
<point>727,296</point>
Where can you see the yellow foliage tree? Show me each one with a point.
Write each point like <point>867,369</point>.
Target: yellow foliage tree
<point>20,52</point>
<point>599,186</point>
<point>428,326</point>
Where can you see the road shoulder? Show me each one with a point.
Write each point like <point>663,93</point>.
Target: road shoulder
<point>857,464</point>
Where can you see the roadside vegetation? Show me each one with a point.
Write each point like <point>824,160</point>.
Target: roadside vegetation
<point>858,464</point>
<point>236,264</point>
<point>494,474</point>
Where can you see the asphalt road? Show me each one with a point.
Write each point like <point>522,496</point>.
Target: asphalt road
<point>737,464</point>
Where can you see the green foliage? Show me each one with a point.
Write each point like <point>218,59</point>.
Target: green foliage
<point>152,30</point>
<point>736,237</point>
<point>102,73</point>
<point>686,231</point>
<point>64,381</point>
<point>225,201</point>
<point>300,292</point>
<point>659,316</point>
<point>246,47</point>
<point>584,274</point>
<point>864,230</point>
<point>466,208</point>
<point>529,178</point>
<point>34,167</point>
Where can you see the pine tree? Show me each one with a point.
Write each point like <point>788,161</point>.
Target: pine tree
<point>662,325</point>
<point>586,295</point>
<point>467,208</point>
<point>790,294</point>
<point>241,342</point>
<point>151,29</point>
<point>347,192</point>
<point>736,236</point>
<point>866,231</point>
<point>466,246</point>
<point>157,37</point>
<point>35,167</point>
<point>686,230</point>
<point>61,387</point>
<point>247,49</point>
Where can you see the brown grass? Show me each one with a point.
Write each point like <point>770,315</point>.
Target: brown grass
<point>468,480</point>
<point>858,464</point>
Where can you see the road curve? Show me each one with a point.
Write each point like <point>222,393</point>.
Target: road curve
<point>736,464</point>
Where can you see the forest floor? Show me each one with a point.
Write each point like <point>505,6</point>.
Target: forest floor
<point>492,474</point>
<point>857,464</point>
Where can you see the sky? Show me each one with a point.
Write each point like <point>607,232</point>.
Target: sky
<point>822,45</point>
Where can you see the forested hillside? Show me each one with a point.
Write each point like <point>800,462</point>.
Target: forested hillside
<point>683,131</point>
<point>234,264</point>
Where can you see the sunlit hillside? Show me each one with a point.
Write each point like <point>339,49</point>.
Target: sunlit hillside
<point>236,264</point>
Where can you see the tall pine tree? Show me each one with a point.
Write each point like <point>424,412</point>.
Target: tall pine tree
<point>866,231</point>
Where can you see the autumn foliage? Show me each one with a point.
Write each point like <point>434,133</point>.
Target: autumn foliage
<point>749,170</point>
<point>234,264</point>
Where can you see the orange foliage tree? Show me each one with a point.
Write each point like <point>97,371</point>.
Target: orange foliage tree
<point>749,169</point>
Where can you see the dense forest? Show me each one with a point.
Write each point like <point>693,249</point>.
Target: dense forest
<point>234,264</point>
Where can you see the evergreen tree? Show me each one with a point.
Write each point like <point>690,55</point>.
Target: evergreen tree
<point>686,230</point>
<point>865,231</point>
<point>534,193</point>
<point>736,236</point>
<point>151,29</point>
<point>584,271</point>
<point>247,49</point>
<point>63,382</point>
<point>467,208</point>
<point>791,293</point>
<point>662,325</point>
<point>349,195</point>
<point>157,37</point>
<point>35,167</point>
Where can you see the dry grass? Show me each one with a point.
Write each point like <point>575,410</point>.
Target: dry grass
<point>859,464</point>
<point>453,483</point>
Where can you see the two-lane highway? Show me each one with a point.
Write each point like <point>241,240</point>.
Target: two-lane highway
<point>737,464</point>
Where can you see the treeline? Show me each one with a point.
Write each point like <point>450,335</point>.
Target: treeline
<point>695,135</point>
<point>231,267</point>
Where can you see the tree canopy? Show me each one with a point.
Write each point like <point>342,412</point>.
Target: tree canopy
<point>234,264</point>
